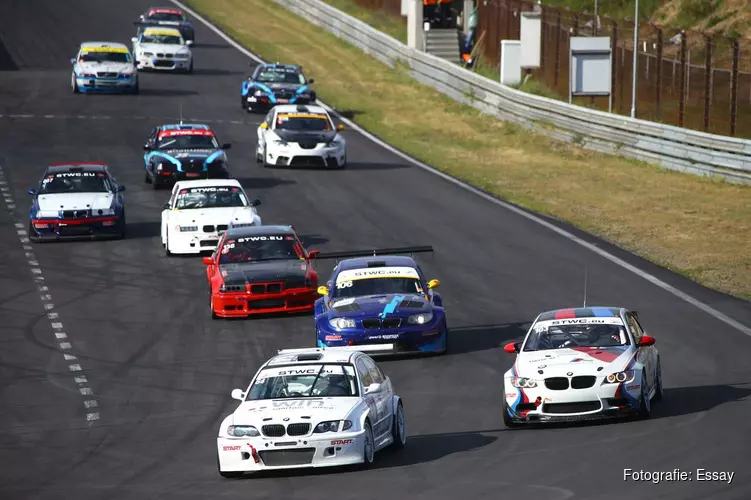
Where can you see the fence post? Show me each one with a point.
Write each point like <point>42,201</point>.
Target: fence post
<point>614,66</point>
<point>682,98</point>
<point>707,81</point>
<point>509,19</point>
<point>734,86</point>
<point>658,95</point>
<point>557,48</point>
<point>575,31</point>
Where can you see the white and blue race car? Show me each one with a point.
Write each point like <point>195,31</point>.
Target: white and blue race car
<point>103,67</point>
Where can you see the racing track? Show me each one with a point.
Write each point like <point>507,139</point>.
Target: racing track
<point>161,370</point>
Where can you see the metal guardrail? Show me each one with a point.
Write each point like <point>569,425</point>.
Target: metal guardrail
<point>668,146</point>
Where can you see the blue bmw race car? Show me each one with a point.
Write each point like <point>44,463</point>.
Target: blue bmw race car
<point>381,300</point>
<point>272,84</point>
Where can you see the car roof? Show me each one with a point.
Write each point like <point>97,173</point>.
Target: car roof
<point>581,312</point>
<point>162,30</point>
<point>313,355</point>
<point>208,183</point>
<point>56,168</point>
<point>284,66</point>
<point>243,232</point>
<point>184,126</point>
<point>300,108</point>
<point>111,45</point>
<point>384,260</point>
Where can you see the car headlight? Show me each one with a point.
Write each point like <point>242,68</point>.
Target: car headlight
<point>258,93</point>
<point>279,142</point>
<point>620,377</point>
<point>523,383</point>
<point>188,229</point>
<point>420,319</point>
<point>242,431</point>
<point>332,426</point>
<point>341,323</point>
<point>182,55</point>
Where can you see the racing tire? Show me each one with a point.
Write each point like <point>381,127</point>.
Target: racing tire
<point>155,184</point>
<point>136,88</point>
<point>211,306</point>
<point>507,420</point>
<point>190,68</point>
<point>147,177</point>
<point>227,475</point>
<point>259,158</point>
<point>167,252</point>
<point>74,84</point>
<point>368,447</point>
<point>645,404</point>
<point>33,234</point>
<point>399,428</point>
<point>265,165</point>
<point>659,393</point>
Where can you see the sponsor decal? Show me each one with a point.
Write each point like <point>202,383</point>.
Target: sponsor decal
<point>343,302</point>
<point>165,11</point>
<point>66,175</point>
<point>341,441</point>
<point>230,448</point>
<point>184,192</point>
<point>110,50</point>
<point>544,325</point>
<point>304,371</point>
<point>382,272</point>
<point>510,395</point>
<point>161,31</point>
<point>260,238</point>
<point>332,337</point>
<point>176,133</point>
<point>384,337</point>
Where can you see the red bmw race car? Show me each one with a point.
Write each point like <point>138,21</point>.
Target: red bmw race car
<point>261,270</point>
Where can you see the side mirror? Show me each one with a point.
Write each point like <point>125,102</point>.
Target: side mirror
<point>646,340</point>
<point>146,147</point>
<point>166,206</point>
<point>209,261</point>
<point>340,127</point>
<point>73,60</point>
<point>264,125</point>
<point>32,192</point>
<point>312,254</point>
<point>434,284</point>
<point>189,42</point>
<point>120,189</point>
<point>226,145</point>
<point>312,80</point>
<point>511,348</point>
<point>255,202</point>
<point>238,394</point>
<point>323,290</point>
<point>372,388</point>
<point>134,39</point>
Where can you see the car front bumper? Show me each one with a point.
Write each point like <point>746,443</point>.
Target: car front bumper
<point>259,453</point>
<point>163,64</point>
<point>106,84</point>
<point>244,304</point>
<point>428,338</point>
<point>88,228</point>
<point>323,156</point>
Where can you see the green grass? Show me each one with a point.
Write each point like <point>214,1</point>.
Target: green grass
<point>699,227</point>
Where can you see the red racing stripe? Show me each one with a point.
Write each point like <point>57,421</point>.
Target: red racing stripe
<point>599,355</point>
<point>565,314</point>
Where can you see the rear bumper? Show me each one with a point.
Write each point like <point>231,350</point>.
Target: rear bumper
<point>240,305</point>
<point>61,229</point>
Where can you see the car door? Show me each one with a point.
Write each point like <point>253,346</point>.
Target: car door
<point>643,354</point>
<point>382,399</point>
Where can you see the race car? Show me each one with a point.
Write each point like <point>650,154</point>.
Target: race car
<point>311,408</point>
<point>272,84</point>
<point>381,298</point>
<point>298,136</point>
<point>103,67</point>
<point>261,270</point>
<point>162,49</point>
<point>581,364</point>
<point>198,212</point>
<point>168,17</point>
<point>77,200</point>
<point>184,152</point>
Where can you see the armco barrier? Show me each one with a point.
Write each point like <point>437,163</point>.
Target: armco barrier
<point>668,146</point>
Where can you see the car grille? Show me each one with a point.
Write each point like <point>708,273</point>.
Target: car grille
<point>75,214</point>
<point>583,382</point>
<point>275,430</point>
<point>307,161</point>
<point>159,54</point>
<point>259,289</point>
<point>266,304</point>
<point>563,408</point>
<point>75,230</point>
<point>308,144</point>
<point>193,165</point>
<point>211,228</point>
<point>106,74</point>
<point>375,323</point>
<point>280,458</point>
<point>298,429</point>
<point>556,383</point>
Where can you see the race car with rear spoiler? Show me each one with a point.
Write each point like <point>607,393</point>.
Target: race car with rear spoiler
<point>381,296</point>
<point>167,17</point>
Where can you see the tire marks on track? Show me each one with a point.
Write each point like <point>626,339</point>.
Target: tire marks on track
<point>61,336</point>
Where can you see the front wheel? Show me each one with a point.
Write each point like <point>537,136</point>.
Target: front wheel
<point>507,420</point>
<point>399,428</point>
<point>645,404</point>
<point>265,164</point>
<point>368,448</point>
<point>136,88</point>
<point>73,83</point>
<point>659,393</point>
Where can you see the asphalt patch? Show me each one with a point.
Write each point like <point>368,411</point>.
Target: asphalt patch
<point>6,61</point>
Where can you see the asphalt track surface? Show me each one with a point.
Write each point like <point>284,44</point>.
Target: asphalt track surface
<point>160,370</point>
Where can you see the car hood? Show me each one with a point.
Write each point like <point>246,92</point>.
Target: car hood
<point>274,411</point>
<point>375,305</point>
<point>307,137</point>
<point>163,47</point>
<point>218,215</point>
<point>579,361</point>
<point>74,201</point>
<point>264,271</point>
<point>100,67</point>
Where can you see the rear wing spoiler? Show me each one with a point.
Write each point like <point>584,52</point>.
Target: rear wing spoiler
<point>374,252</point>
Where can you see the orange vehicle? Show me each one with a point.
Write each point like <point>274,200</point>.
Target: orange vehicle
<point>261,270</point>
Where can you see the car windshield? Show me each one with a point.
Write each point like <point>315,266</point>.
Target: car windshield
<point>187,142</point>
<point>307,122</point>
<point>304,381</point>
<point>97,56</point>
<point>377,281</point>
<point>74,182</point>
<point>166,16</point>
<point>210,197</point>
<point>567,334</point>
<point>260,248</point>
<point>281,76</point>
<point>160,38</point>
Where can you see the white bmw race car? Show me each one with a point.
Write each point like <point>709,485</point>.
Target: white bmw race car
<point>580,364</point>
<point>199,211</point>
<point>315,407</point>
<point>162,49</point>
<point>294,135</point>
<point>103,67</point>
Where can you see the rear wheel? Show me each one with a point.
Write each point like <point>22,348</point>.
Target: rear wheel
<point>645,404</point>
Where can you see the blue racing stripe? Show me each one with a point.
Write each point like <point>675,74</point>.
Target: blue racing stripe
<point>602,312</point>
<point>391,306</point>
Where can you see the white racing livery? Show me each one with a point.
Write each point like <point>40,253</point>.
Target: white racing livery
<point>103,67</point>
<point>585,363</point>
<point>162,49</point>
<point>315,407</point>
<point>199,211</point>
<point>300,136</point>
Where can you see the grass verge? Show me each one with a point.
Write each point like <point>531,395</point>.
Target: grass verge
<point>698,227</point>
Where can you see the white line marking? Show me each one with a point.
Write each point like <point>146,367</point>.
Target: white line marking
<point>19,225</point>
<point>85,391</point>
<point>61,335</point>
<point>533,218</point>
<point>80,380</point>
<point>74,368</point>
<point>69,357</point>
<point>57,326</point>
<point>65,345</point>
<point>11,206</point>
<point>91,403</point>
<point>92,416</point>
